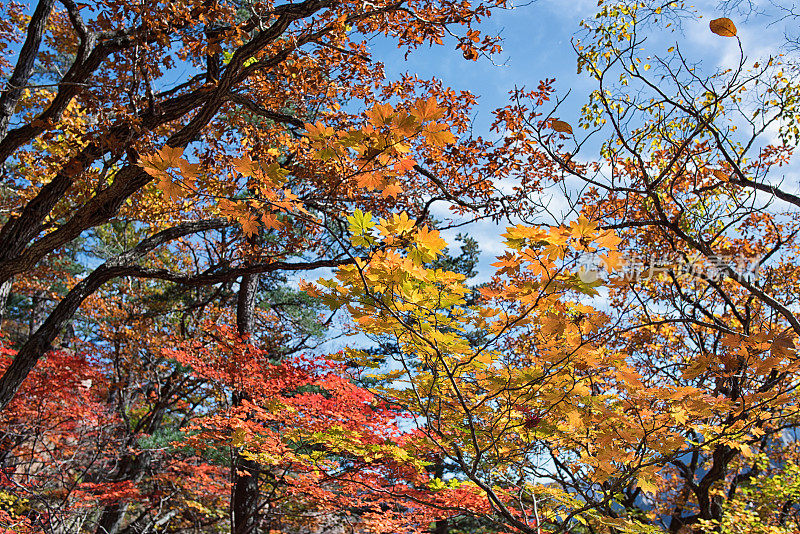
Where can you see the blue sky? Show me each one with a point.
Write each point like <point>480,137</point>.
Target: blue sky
<point>537,45</point>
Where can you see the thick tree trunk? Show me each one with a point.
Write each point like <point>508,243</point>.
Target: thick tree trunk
<point>5,291</point>
<point>246,304</point>
<point>111,518</point>
<point>37,312</point>
<point>441,526</point>
<point>130,468</point>
<point>25,63</point>
<point>245,498</point>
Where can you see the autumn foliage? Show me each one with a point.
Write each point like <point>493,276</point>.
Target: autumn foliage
<point>228,304</point>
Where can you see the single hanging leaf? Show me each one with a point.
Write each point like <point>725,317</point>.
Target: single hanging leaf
<point>721,175</point>
<point>561,126</point>
<point>723,27</point>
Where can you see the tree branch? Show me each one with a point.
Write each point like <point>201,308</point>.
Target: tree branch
<point>24,67</point>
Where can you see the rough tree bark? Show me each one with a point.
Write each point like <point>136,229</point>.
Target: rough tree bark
<point>245,498</point>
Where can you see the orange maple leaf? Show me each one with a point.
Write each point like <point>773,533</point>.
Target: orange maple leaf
<point>270,220</point>
<point>404,165</point>
<point>427,110</point>
<point>380,114</point>
<point>245,166</point>
<point>170,155</point>
<point>391,190</point>
<point>438,134</point>
<point>370,180</point>
<point>430,240</point>
<point>172,190</point>
<point>249,225</point>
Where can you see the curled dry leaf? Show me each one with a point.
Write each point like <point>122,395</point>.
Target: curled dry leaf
<point>561,126</point>
<point>723,27</point>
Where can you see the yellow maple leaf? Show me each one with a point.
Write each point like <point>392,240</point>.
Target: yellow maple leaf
<point>430,240</point>
<point>398,224</point>
<point>583,227</point>
<point>380,114</point>
<point>574,420</point>
<point>608,239</point>
<point>318,130</point>
<point>647,485</point>
<point>680,416</point>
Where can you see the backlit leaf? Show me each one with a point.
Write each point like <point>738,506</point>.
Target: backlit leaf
<point>723,27</point>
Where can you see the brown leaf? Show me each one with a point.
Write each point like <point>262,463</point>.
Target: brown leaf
<point>782,346</point>
<point>561,126</point>
<point>723,27</point>
<point>721,175</point>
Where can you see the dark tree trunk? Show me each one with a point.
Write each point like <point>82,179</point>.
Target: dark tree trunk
<point>441,526</point>
<point>24,67</point>
<point>5,291</point>
<point>130,468</point>
<point>245,499</point>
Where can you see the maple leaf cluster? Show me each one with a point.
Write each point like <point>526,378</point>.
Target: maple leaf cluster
<point>227,301</point>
